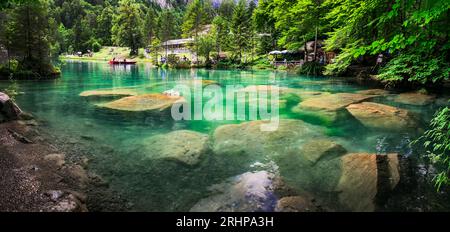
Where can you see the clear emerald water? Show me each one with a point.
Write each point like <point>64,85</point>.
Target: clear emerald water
<point>114,142</point>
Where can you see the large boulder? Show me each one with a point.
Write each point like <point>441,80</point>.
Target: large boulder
<point>363,176</point>
<point>384,117</point>
<point>106,93</point>
<point>320,149</point>
<point>348,182</point>
<point>329,107</point>
<point>8,109</point>
<point>415,98</point>
<point>248,192</point>
<point>183,146</point>
<point>142,103</point>
<point>248,139</point>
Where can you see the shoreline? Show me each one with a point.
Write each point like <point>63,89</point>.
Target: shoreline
<point>37,175</point>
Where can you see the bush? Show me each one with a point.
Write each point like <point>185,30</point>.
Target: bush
<point>415,68</point>
<point>172,60</point>
<point>96,46</point>
<point>436,141</point>
<point>311,69</point>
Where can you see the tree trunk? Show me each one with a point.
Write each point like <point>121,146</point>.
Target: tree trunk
<point>315,46</point>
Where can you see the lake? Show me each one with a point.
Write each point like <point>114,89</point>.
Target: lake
<point>238,168</point>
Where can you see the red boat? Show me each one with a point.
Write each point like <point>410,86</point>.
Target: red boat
<point>122,62</point>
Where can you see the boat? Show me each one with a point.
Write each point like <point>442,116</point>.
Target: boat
<point>121,62</point>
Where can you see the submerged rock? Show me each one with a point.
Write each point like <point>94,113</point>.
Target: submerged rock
<point>310,94</point>
<point>108,93</point>
<point>379,116</point>
<point>350,182</point>
<point>319,149</point>
<point>381,92</point>
<point>414,98</point>
<point>328,106</point>
<point>198,82</point>
<point>184,146</point>
<point>267,88</point>
<point>8,109</point>
<point>141,103</point>
<point>363,177</point>
<point>248,139</point>
<point>248,192</point>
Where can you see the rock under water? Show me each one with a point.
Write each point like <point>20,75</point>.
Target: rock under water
<point>329,106</point>
<point>383,117</point>
<point>108,93</point>
<point>248,192</point>
<point>183,146</point>
<point>414,98</point>
<point>142,103</point>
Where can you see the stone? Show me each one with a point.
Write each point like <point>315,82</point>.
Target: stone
<point>108,93</point>
<point>141,103</point>
<point>54,195</point>
<point>329,107</point>
<point>414,98</point>
<point>310,94</point>
<point>318,149</point>
<point>333,102</point>
<point>201,82</point>
<point>8,109</point>
<point>79,174</point>
<point>363,177</point>
<point>267,88</point>
<point>68,203</point>
<point>187,147</point>
<point>295,204</point>
<point>56,159</point>
<point>248,192</point>
<point>349,182</point>
<point>381,92</point>
<point>248,139</point>
<point>383,117</point>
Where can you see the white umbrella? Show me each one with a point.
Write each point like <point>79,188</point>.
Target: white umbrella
<point>274,52</point>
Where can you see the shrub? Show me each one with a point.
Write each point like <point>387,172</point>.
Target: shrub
<point>96,46</point>
<point>436,141</point>
<point>311,68</point>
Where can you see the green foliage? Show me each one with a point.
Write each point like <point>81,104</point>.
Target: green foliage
<point>28,34</point>
<point>205,44</point>
<point>221,34</point>
<point>241,28</point>
<point>412,35</point>
<point>127,26</point>
<point>436,141</point>
<point>415,67</point>
<point>311,69</point>
<point>197,13</point>
<point>105,20</point>
<point>172,59</point>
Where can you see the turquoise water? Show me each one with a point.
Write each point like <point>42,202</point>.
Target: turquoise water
<point>117,141</point>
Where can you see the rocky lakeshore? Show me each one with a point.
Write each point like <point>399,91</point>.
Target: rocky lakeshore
<point>36,175</point>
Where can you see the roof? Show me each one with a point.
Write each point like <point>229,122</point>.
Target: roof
<point>178,41</point>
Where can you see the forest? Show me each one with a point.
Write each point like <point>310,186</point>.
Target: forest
<point>411,35</point>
